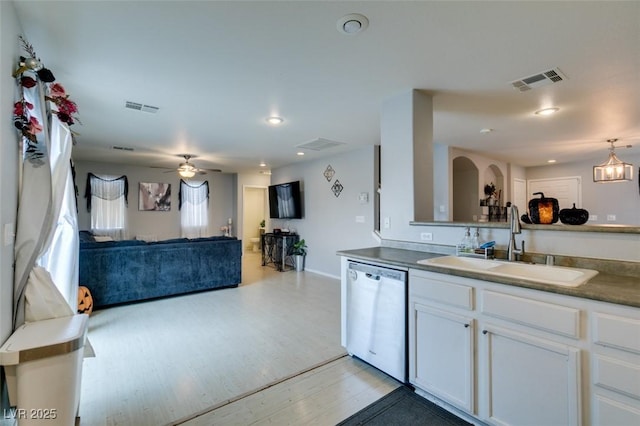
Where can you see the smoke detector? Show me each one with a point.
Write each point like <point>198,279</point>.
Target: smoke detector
<point>353,23</point>
<point>538,80</point>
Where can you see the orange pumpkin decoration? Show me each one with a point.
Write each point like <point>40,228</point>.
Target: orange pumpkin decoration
<point>85,301</point>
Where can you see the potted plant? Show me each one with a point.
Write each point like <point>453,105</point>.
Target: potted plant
<point>299,253</point>
<point>490,192</point>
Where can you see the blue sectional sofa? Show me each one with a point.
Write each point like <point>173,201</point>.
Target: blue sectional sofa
<point>129,271</point>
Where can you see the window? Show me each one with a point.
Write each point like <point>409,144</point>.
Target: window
<point>107,201</point>
<point>194,209</point>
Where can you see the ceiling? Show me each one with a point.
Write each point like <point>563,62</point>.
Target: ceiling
<point>217,70</point>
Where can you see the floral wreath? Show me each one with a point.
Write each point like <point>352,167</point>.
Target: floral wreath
<point>28,124</point>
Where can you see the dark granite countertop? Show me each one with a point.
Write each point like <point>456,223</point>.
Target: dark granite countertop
<point>605,287</point>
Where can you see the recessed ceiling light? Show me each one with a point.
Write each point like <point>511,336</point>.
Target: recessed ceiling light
<point>547,111</point>
<point>551,161</point>
<point>263,164</point>
<point>486,130</point>
<point>353,23</point>
<point>300,153</point>
<point>275,120</point>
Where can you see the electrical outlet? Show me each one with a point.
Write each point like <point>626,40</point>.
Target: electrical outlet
<point>387,223</point>
<point>426,236</point>
<point>611,218</point>
<point>359,219</point>
<point>593,217</point>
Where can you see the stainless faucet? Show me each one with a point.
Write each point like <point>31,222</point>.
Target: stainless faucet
<point>513,251</point>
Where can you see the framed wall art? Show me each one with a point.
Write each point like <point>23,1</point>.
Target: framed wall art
<point>154,197</point>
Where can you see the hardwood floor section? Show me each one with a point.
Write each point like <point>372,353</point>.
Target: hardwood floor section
<point>323,396</point>
<point>163,361</point>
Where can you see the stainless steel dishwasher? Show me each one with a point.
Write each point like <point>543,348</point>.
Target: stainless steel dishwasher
<point>376,328</point>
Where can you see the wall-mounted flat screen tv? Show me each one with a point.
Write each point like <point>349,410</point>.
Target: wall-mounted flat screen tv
<point>285,201</point>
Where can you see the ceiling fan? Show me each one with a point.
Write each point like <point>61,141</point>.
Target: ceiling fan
<point>188,170</point>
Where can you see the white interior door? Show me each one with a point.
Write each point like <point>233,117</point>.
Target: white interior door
<point>567,190</point>
<point>520,198</point>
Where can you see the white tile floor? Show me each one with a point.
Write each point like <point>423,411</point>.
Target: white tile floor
<point>216,353</point>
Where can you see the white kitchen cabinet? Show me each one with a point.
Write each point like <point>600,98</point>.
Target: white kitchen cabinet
<point>530,372</point>
<point>441,338</point>
<point>495,354</point>
<point>616,367</point>
<point>508,355</point>
<point>445,368</point>
<point>529,380</point>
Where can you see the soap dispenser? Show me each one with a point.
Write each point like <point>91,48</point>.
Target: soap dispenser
<point>465,244</point>
<point>475,240</point>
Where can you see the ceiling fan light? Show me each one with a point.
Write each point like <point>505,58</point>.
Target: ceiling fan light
<point>187,173</point>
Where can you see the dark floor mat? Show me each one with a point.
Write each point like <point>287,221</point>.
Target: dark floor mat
<point>403,407</point>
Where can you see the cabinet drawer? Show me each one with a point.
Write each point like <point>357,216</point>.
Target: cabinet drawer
<point>441,291</point>
<point>541,315</point>
<point>609,413</point>
<point>617,375</point>
<point>618,332</point>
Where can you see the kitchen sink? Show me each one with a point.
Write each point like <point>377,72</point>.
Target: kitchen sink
<point>544,274</point>
<point>465,263</point>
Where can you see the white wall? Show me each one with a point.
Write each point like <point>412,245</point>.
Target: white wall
<point>397,203</point>
<point>164,225</point>
<point>621,199</point>
<point>404,126</point>
<point>9,53</point>
<point>329,223</point>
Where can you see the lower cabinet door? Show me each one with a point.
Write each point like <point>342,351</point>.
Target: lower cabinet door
<point>441,355</point>
<point>529,380</point>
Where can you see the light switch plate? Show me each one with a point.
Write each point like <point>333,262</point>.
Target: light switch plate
<point>9,234</point>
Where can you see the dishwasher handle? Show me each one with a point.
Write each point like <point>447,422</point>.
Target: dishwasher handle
<point>377,272</point>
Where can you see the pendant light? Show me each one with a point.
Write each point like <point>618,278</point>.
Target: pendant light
<point>613,170</point>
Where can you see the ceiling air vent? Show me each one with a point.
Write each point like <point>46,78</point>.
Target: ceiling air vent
<point>122,148</point>
<point>141,107</point>
<point>319,144</point>
<point>539,80</point>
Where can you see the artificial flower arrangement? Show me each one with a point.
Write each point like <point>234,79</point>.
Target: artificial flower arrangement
<point>66,107</point>
<point>65,110</point>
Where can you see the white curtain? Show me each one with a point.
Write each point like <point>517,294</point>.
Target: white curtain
<point>60,256</point>
<point>194,209</point>
<point>35,218</point>
<point>107,202</point>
